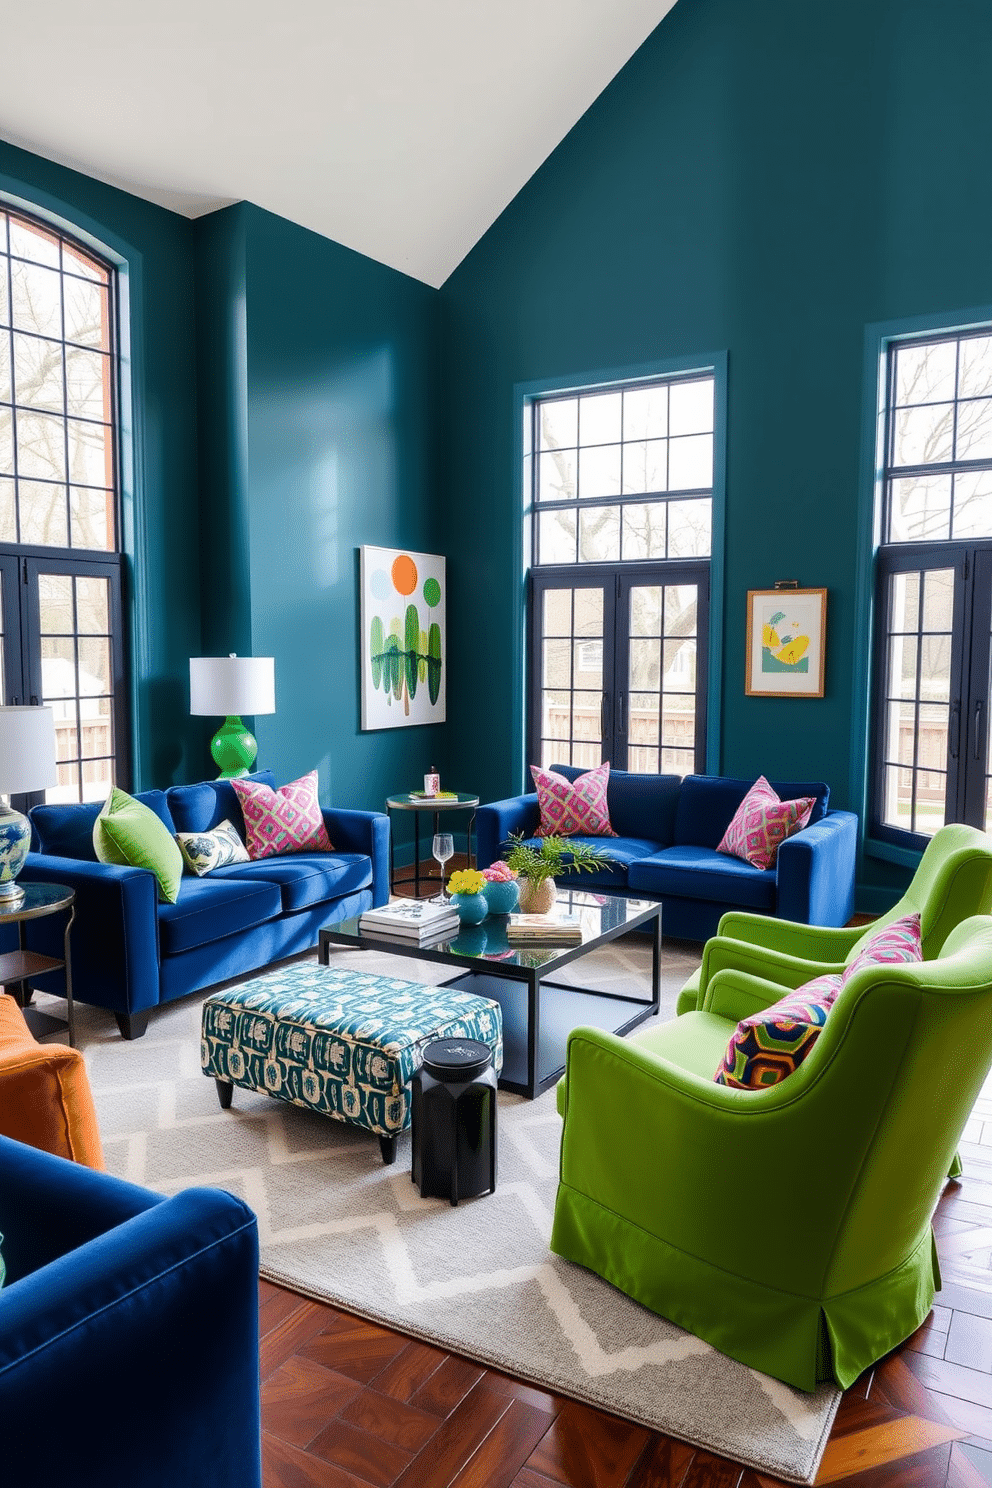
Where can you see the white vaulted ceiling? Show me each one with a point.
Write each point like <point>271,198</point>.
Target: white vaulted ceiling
<point>400,128</point>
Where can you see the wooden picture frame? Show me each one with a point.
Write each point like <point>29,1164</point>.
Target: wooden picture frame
<point>786,641</point>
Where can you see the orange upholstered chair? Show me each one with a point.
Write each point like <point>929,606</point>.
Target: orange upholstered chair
<point>45,1097</point>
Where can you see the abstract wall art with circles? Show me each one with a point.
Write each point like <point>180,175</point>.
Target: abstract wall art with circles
<point>403,637</point>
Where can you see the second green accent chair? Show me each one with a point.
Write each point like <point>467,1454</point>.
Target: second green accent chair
<point>790,1226</point>
<point>953,880</point>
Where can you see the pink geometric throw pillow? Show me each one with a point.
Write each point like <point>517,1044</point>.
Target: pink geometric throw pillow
<point>287,820</point>
<point>573,808</point>
<point>761,824</point>
<point>899,941</point>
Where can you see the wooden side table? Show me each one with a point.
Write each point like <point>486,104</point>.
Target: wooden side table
<point>433,806</point>
<point>18,967</point>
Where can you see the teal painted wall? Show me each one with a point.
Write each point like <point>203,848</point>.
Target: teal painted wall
<point>765,178</point>
<point>162,577</point>
<point>342,418</point>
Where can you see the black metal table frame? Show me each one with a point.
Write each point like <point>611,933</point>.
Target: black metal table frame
<point>532,977</point>
<point>393,804</point>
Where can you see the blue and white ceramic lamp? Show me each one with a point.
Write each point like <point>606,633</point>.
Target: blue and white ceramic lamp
<point>27,764</point>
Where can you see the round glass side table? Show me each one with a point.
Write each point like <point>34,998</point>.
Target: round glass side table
<point>18,967</point>
<point>434,806</point>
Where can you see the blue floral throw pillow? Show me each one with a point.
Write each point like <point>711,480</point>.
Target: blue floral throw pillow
<point>204,851</point>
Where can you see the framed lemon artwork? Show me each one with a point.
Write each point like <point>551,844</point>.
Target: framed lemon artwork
<point>786,636</point>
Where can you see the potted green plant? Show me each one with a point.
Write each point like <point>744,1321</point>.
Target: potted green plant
<point>538,866</point>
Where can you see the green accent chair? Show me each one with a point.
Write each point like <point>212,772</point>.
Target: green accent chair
<point>789,1227</point>
<point>953,880</point>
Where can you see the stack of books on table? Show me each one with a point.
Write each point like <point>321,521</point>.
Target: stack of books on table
<point>415,921</point>
<point>544,929</point>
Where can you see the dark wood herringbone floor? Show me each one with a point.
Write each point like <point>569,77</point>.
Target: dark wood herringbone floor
<point>347,1404</point>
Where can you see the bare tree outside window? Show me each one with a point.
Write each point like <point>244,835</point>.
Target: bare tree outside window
<point>622,484</point>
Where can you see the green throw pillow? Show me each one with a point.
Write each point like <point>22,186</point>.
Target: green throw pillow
<point>129,833</point>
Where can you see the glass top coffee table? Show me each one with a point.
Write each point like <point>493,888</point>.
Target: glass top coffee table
<point>539,1011</point>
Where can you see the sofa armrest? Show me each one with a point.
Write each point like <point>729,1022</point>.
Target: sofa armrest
<point>816,871</point>
<point>806,942</point>
<point>45,1098</point>
<point>785,972</point>
<point>363,832</point>
<point>496,821</point>
<point>734,994</point>
<point>155,1315</point>
<point>114,943</point>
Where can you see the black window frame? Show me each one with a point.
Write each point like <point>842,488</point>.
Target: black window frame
<point>614,576</point>
<point>22,564</point>
<point>970,559</point>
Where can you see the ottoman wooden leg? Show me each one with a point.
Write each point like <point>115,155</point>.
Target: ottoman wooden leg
<point>225,1090</point>
<point>388,1147</point>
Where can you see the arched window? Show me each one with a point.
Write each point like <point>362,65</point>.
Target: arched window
<point>60,583</point>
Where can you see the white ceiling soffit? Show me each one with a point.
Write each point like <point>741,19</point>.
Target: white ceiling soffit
<point>400,128</point>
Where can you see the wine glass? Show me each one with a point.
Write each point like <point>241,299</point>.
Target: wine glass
<point>443,849</point>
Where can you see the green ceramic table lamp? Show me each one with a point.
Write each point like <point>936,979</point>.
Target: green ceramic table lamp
<point>232,685</point>
<point>27,763</point>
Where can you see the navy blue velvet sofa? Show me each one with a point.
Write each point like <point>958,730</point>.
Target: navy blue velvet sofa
<point>668,830</point>
<point>130,953</point>
<point>128,1331</point>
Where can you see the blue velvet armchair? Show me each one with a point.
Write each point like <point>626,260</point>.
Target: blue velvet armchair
<point>128,1331</point>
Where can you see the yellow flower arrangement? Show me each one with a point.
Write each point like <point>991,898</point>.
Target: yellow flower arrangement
<point>466,881</point>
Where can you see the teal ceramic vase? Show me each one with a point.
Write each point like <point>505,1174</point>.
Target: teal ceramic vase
<point>472,908</point>
<point>502,897</point>
<point>470,941</point>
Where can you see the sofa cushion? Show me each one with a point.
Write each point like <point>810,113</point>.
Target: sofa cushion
<point>641,806</point>
<point>622,851</point>
<point>703,873</point>
<point>306,878</point>
<point>287,820</point>
<point>573,808</point>
<point>129,833</point>
<point>66,830</point>
<point>201,807</point>
<point>707,804</point>
<point>210,908</point>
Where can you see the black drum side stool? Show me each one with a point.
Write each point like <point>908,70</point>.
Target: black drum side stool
<point>454,1120</point>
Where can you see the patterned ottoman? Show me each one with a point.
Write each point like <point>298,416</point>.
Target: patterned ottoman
<point>344,1043</point>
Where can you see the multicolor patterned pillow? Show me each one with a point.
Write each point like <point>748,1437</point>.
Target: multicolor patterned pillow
<point>204,851</point>
<point>902,940</point>
<point>287,820</point>
<point>762,822</point>
<point>571,808</point>
<point>771,1045</point>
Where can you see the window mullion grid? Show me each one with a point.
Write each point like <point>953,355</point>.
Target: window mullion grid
<point>13,388</point>
<point>917,691</point>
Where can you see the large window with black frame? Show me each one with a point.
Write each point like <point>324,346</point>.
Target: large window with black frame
<point>934,589</point>
<point>619,482</point>
<point>60,566</point>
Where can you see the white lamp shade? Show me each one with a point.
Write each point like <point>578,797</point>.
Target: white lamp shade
<point>27,750</point>
<point>228,685</point>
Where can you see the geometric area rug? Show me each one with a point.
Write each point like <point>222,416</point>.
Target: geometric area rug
<point>337,1225</point>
